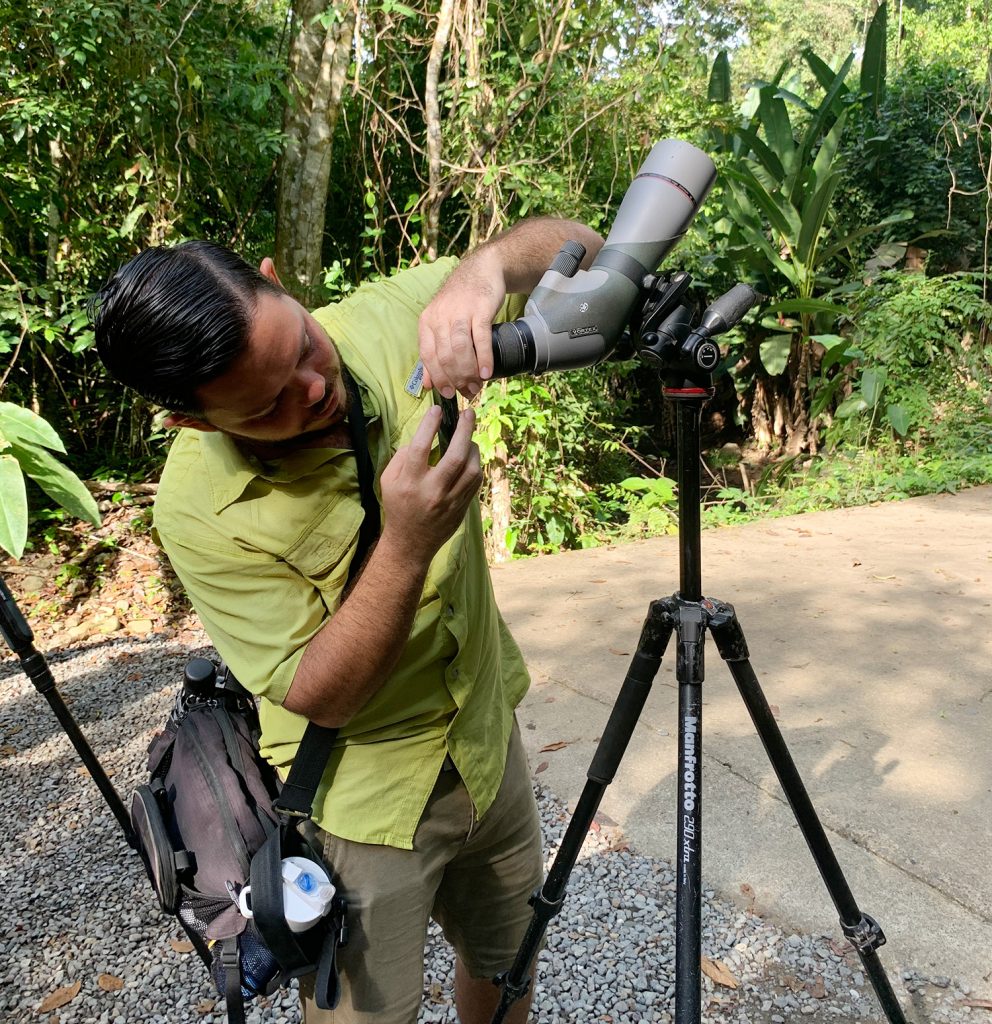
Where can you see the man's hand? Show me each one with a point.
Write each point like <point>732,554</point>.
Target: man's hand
<point>425,504</point>
<point>456,342</point>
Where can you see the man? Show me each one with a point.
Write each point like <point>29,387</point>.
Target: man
<point>426,803</point>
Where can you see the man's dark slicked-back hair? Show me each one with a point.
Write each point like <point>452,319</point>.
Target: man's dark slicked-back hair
<point>175,317</point>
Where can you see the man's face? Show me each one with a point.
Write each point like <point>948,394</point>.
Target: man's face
<point>285,384</point>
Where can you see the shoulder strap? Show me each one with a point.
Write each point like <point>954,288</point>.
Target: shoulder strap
<point>300,787</point>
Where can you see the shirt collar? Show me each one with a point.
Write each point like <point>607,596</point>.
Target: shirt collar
<point>229,470</point>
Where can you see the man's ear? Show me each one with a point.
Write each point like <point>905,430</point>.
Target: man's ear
<point>268,269</point>
<point>178,419</point>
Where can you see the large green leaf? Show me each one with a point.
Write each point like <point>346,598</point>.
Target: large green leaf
<point>774,352</point>
<point>822,71</point>
<point>13,507</point>
<point>768,159</point>
<point>56,481</point>
<point>852,406</point>
<point>774,117</point>
<point>816,128</point>
<point>780,215</point>
<point>719,86</point>
<point>827,154</point>
<point>814,216</point>
<point>843,243</point>
<point>898,419</point>
<point>872,385</point>
<point>806,306</point>
<point>873,61</point>
<point>20,424</point>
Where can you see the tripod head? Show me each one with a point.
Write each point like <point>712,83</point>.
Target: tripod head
<point>661,332</point>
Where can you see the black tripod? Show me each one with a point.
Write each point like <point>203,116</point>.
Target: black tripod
<point>686,359</point>
<point>20,639</point>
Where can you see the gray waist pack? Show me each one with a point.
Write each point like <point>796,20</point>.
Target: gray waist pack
<point>234,855</point>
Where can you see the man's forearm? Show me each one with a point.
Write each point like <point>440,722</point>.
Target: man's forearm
<point>526,250</point>
<point>351,657</point>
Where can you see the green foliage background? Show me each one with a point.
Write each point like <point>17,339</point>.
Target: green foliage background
<point>129,124</point>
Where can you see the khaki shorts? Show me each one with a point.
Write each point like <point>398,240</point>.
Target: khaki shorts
<point>473,877</point>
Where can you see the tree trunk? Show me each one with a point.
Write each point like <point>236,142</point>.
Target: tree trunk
<point>799,436</point>
<point>318,66</point>
<point>499,506</point>
<point>432,109</point>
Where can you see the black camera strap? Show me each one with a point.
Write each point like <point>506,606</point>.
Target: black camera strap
<point>295,800</point>
<point>300,787</point>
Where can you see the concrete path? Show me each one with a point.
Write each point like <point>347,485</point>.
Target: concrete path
<point>869,629</point>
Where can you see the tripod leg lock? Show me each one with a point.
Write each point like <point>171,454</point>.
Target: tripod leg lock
<point>726,630</point>
<point>512,991</point>
<point>866,935</point>
<point>545,909</point>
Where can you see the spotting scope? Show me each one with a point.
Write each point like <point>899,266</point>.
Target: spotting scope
<point>574,317</point>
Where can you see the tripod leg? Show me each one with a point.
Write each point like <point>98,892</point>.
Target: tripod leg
<point>689,815</point>
<point>548,900</point>
<point>19,638</point>
<point>862,931</point>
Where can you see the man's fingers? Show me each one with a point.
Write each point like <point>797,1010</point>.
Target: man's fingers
<point>461,450</point>
<point>420,445</point>
<point>427,349</point>
<point>482,339</point>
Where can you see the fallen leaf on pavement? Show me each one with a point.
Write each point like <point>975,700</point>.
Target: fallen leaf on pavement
<point>543,766</point>
<point>622,654</point>
<point>554,746</point>
<point>60,997</point>
<point>717,972</point>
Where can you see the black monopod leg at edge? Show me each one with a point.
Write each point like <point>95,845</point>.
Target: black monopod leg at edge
<point>548,900</point>
<point>20,640</point>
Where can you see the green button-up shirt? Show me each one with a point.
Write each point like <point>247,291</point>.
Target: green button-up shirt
<point>264,549</point>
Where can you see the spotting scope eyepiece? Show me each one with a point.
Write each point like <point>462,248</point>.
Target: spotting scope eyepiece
<point>574,317</point>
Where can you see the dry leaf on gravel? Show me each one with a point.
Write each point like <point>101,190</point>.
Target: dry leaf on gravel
<point>60,997</point>
<point>816,988</point>
<point>110,983</point>
<point>205,1006</point>
<point>181,945</point>
<point>980,1004</point>
<point>717,972</point>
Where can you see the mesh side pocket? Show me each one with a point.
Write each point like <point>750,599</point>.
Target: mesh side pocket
<point>196,912</point>
<point>258,966</point>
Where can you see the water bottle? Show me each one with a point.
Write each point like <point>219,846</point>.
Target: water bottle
<point>307,893</point>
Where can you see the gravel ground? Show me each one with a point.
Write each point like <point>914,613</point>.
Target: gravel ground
<point>79,910</point>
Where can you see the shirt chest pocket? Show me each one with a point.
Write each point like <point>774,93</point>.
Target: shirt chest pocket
<point>324,552</point>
